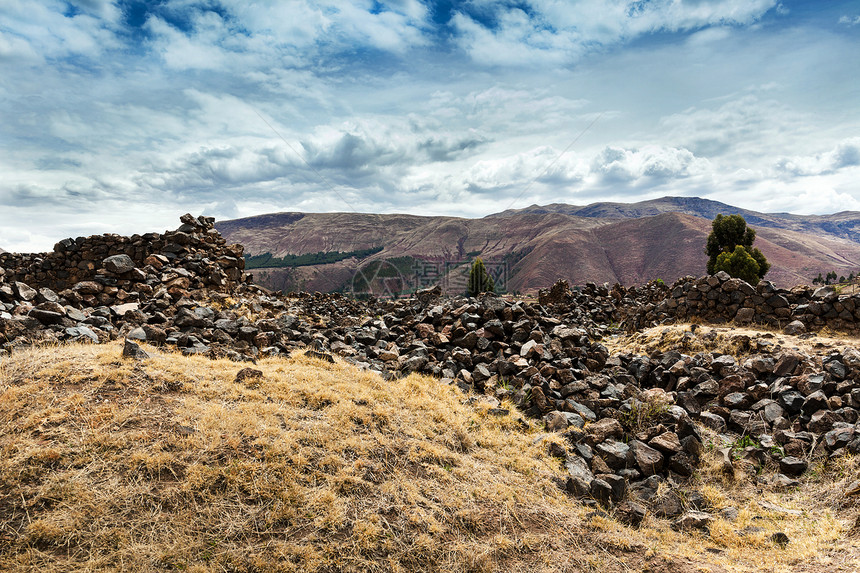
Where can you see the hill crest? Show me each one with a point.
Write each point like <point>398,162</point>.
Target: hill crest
<point>602,242</point>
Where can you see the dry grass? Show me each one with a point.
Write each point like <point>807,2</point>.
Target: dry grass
<point>737,341</point>
<point>817,517</point>
<point>168,464</point>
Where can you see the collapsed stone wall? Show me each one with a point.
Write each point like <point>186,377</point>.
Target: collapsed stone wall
<point>96,288</point>
<point>714,298</point>
<point>106,269</point>
<point>721,298</point>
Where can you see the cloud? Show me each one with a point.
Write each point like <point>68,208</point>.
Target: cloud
<point>516,172</point>
<point>550,32</point>
<point>738,126</point>
<point>652,163</point>
<point>846,154</point>
<point>850,20</point>
<point>16,49</point>
<point>120,115</point>
<point>51,31</point>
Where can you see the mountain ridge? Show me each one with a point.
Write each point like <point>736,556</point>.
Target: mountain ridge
<point>601,242</point>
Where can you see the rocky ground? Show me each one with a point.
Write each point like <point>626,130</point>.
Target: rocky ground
<point>635,408</point>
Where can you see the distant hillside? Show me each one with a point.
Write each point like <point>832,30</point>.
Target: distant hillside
<point>845,224</point>
<point>530,248</point>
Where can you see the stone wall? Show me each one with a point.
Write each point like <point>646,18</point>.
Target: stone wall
<point>721,298</point>
<point>108,269</point>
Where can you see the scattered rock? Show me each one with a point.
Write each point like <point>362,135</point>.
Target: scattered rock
<point>133,350</point>
<point>631,513</point>
<point>249,377</point>
<point>693,520</point>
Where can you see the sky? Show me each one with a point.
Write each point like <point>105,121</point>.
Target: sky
<point>117,116</point>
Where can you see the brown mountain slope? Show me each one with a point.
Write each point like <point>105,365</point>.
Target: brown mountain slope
<point>845,224</point>
<point>532,249</point>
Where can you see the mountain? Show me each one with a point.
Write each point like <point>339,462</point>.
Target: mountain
<point>530,248</point>
<point>845,224</point>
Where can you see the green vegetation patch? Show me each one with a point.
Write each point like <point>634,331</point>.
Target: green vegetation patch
<point>267,260</point>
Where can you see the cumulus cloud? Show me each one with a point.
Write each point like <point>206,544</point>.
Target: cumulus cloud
<point>50,30</point>
<point>514,173</point>
<point>652,162</point>
<point>846,154</point>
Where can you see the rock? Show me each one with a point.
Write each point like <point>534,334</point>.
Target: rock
<point>118,264</point>
<point>745,315</point>
<point>780,538</point>
<point>792,466</point>
<point>667,442</point>
<point>248,376</point>
<point>46,316</point>
<point>78,333</point>
<point>555,421</point>
<point>25,292</point>
<point>782,481</point>
<point>617,483</point>
<point>815,402</point>
<point>668,505</point>
<point>136,334</point>
<point>712,421</point>
<point>631,513</point>
<point>133,350</point>
<point>601,491</point>
<point>794,327</point>
<point>693,520</point>
<point>649,460</point>
<point>605,429</point>
<point>615,454</point>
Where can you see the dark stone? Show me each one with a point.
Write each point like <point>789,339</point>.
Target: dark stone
<point>133,350</point>
<point>631,513</point>
<point>615,454</point>
<point>792,466</point>
<point>600,491</point>
<point>118,264</point>
<point>648,459</point>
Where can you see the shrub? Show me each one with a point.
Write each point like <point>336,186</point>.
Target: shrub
<point>479,280</point>
<point>729,234</point>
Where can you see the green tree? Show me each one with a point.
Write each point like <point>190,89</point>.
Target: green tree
<point>740,264</point>
<point>479,279</point>
<point>730,232</point>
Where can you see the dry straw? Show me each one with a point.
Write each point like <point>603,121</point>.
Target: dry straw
<point>169,464</point>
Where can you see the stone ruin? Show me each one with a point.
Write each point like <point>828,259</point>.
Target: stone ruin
<point>635,425</point>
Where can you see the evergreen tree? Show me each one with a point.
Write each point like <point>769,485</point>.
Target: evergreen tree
<point>479,279</point>
<point>728,233</point>
<point>740,264</point>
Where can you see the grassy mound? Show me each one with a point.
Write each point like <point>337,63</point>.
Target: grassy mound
<point>170,464</point>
